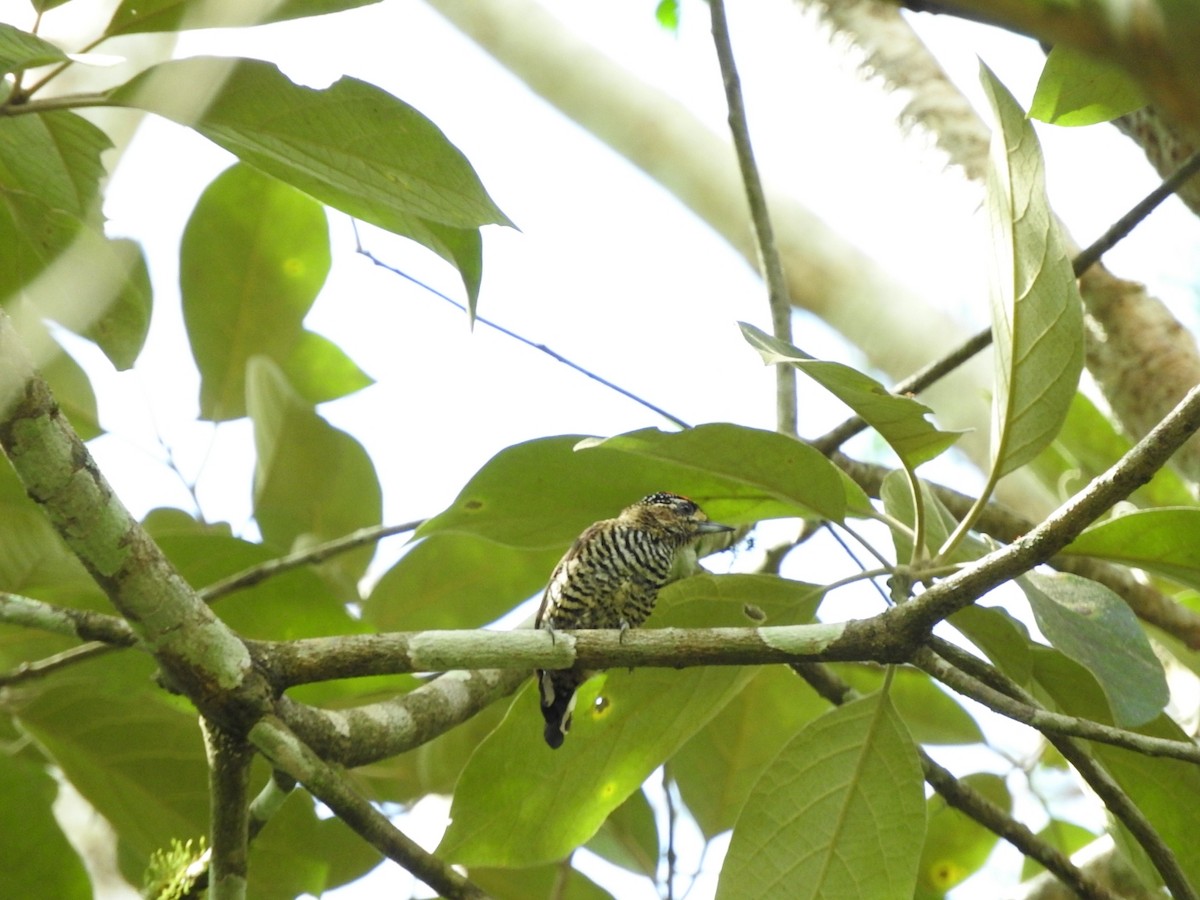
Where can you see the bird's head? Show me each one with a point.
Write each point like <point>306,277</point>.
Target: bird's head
<point>670,514</point>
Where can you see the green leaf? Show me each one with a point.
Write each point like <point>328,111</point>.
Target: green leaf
<point>272,244</point>
<point>134,752</point>
<point>541,494</point>
<point>538,881</point>
<point>1162,789</point>
<point>1158,540</point>
<point>939,522</point>
<point>932,715</point>
<point>1094,627</point>
<point>20,50</point>
<point>134,16</point>
<point>789,476</point>
<point>35,858</point>
<point>710,601</point>
<point>956,846</point>
<point>1065,837</point>
<point>629,837</point>
<point>1077,89</point>
<point>1037,317</point>
<point>50,174</point>
<point>312,482</point>
<point>899,420</point>
<point>351,146</point>
<point>1087,446</point>
<point>717,768</point>
<point>121,328</point>
<point>537,811</point>
<point>456,580</point>
<point>1002,638</point>
<point>301,852</point>
<point>839,813</point>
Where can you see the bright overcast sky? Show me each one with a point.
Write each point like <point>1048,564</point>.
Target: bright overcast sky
<point>607,269</point>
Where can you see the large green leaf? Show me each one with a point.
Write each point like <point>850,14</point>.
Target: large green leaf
<point>312,482</point>
<point>538,881</point>
<point>20,50</point>
<point>254,256</point>
<point>1037,317</point>
<point>122,325</point>
<point>1093,626</point>
<point>35,858</point>
<point>1163,541</point>
<point>839,813</point>
<point>176,15</point>
<point>50,174</point>
<point>1078,89</point>
<point>717,768</point>
<point>542,494</point>
<point>510,813</point>
<point>956,846</point>
<point>456,580</point>
<point>351,145</point>
<point>899,420</point>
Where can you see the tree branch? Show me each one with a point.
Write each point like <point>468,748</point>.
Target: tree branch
<point>288,753</point>
<point>760,217</point>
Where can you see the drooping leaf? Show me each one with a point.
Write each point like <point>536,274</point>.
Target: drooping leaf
<point>1037,318</point>
<point>625,725</point>
<point>899,420</point>
<point>839,813</point>
<point>956,846</point>
<point>35,858</point>
<point>134,16</point>
<point>351,146</point>
<point>542,494</point>
<point>312,482</point>
<point>20,50</point>
<point>273,245</point>
<point>1077,89</point>
<point>1158,540</point>
<point>1093,626</point>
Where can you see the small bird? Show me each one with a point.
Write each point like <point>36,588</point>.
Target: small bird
<point>610,578</point>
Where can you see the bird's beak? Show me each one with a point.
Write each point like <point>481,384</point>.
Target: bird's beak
<point>713,528</point>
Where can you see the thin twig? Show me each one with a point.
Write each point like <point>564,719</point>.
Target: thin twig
<point>262,571</point>
<point>671,817</point>
<point>947,666</point>
<point>764,235</point>
<point>675,420</point>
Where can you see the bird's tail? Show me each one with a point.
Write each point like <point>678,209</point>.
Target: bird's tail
<point>557,692</point>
